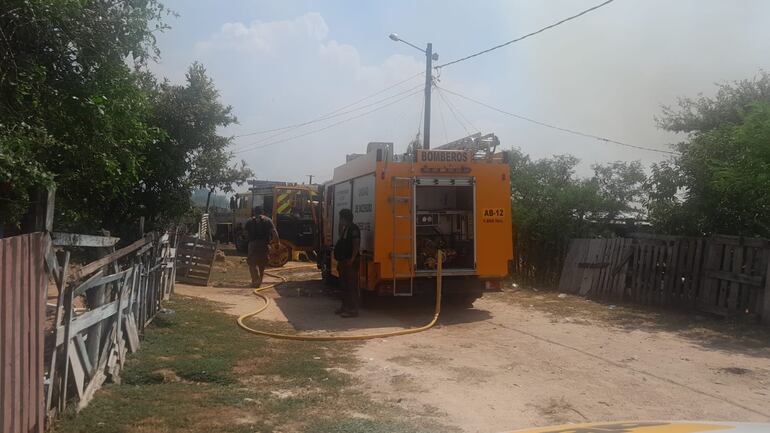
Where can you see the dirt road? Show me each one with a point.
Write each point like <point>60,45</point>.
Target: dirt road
<point>520,358</point>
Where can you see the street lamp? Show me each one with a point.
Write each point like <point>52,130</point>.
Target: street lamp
<point>430,56</point>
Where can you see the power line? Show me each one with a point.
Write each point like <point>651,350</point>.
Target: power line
<point>441,95</point>
<point>559,128</point>
<point>329,126</point>
<point>443,122</point>
<point>455,111</point>
<point>331,113</point>
<point>285,131</point>
<point>526,36</point>
<point>419,119</point>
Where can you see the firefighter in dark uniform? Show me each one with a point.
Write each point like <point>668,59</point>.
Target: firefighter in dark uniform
<point>260,231</point>
<point>346,252</point>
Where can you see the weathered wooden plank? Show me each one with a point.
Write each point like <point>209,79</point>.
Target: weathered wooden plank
<point>641,271</point>
<point>696,280</point>
<point>131,333</point>
<point>615,257</point>
<point>568,269</point>
<point>109,258</point>
<point>741,241</point>
<point>765,306</point>
<point>651,274</point>
<point>67,334</point>
<point>585,265</point>
<point>59,330</point>
<point>723,285</point>
<point>745,300</point>
<point>6,328</point>
<point>661,273</point>
<point>78,240</point>
<point>734,287</point>
<point>713,252</point>
<point>16,337</point>
<point>90,318</point>
<point>684,271</point>
<point>40,294</point>
<point>670,292</point>
<point>619,270</point>
<point>24,378</point>
<point>653,236</point>
<point>80,348</point>
<point>735,277</point>
<point>76,370</point>
<point>604,258</point>
<point>98,280</point>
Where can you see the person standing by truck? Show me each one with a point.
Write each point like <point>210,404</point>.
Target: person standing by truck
<point>346,252</point>
<point>260,231</point>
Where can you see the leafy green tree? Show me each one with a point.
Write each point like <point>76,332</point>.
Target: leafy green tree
<point>191,153</point>
<point>71,100</point>
<point>720,181</point>
<point>79,109</point>
<point>620,185</point>
<point>551,205</point>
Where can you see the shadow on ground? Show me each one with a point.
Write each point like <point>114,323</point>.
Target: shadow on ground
<point>708,331</point>
<point>309,306</point>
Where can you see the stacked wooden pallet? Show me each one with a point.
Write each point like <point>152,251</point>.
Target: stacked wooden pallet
<point>194,260</point>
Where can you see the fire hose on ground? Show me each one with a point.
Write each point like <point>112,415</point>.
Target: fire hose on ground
<point>332,337</point>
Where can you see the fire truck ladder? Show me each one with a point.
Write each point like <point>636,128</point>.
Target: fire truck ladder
<point>403,213</point>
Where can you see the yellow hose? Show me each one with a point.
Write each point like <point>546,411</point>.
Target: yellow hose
<point>314,337</point>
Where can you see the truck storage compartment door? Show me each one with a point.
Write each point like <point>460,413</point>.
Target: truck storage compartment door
<point>445,210</point>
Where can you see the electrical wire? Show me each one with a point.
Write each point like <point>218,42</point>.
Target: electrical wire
<point>443,121</point>
<point>331,113</point>
<point>525,36</point>
<point>559,128</point>
<point>328,126</point>
<point>286,131</point>
<point>454,112</point>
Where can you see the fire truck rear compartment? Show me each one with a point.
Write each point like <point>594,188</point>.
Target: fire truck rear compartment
<point>444,220</point>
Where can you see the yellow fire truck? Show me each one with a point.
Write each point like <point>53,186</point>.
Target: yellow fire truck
<point>293,209</point>
<point>455,198</point>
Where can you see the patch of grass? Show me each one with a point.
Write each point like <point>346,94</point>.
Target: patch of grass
<point>197,372</point>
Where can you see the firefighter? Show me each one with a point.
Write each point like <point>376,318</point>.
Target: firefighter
<point>346,253</point>
<point>260,232</point>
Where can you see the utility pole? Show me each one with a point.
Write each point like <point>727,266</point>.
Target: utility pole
<point>429,58</point>
<point>428,85</point>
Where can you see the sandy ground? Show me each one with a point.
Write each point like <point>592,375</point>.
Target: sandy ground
<point>519,359</point>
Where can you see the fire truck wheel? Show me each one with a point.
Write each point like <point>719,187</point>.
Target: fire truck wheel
<point>278,255</point>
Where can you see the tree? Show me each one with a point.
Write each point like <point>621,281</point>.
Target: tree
<point>191,153</point>
<point>72,103</point>
<point>79,109</point>
<point>719,182</point>
<point>550,205</point>
<point>620,185</point>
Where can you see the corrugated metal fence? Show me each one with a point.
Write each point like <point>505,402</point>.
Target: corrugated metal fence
<point>23,282</point>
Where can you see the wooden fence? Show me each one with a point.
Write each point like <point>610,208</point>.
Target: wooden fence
<point>22,321</point>
<point>101,310</point>
<point>195,260</point>
<point>725,275</point>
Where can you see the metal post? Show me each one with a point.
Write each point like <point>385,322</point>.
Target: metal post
<point>428,84</point>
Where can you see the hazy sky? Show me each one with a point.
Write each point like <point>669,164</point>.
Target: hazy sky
<point>606,73</point>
